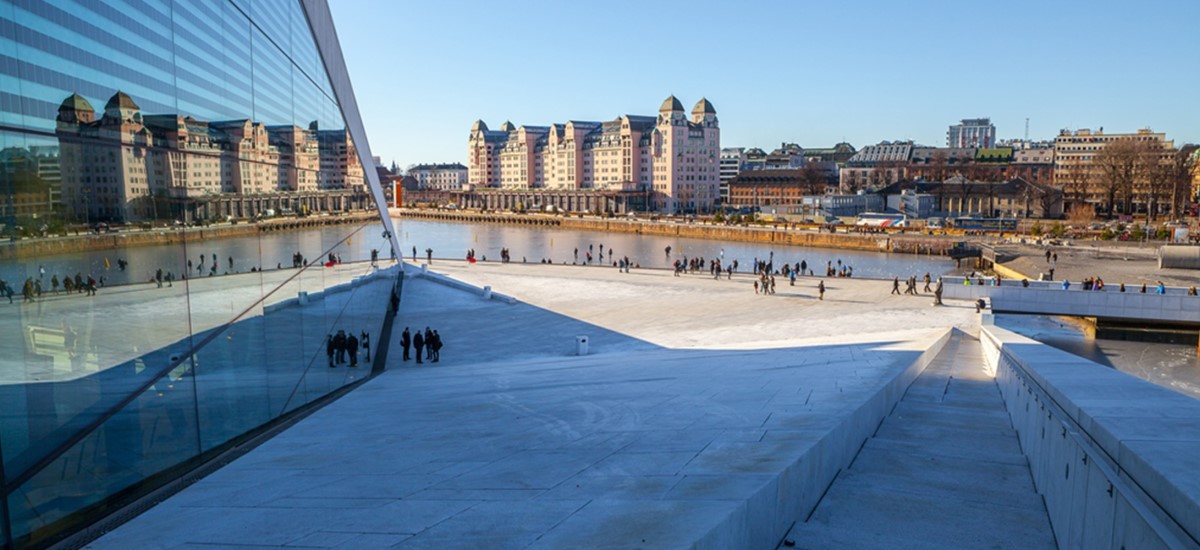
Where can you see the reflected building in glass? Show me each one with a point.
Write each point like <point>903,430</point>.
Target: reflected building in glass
<point>190,246</point>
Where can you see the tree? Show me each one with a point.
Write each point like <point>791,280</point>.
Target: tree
<point>1176,176</point>
<point>1049,200</point>
<point>884,173</point>
<point>1076,180</point>
<point>1124,164</point>
<point>812,178</point>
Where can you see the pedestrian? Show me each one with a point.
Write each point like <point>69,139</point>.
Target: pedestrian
<point>428,344</point>
<point>756,287</point>
<point>895,285</point>
<point>1066,284</point>
<point>1160,289</point>
<point>414,253</point>
<point>54,283</point>
<point>1143,291</point>
<point>418,345</point>
<point>329,348</point>
<point>405,342</point>
<point>937,293</point>
<point>352,349</point>
<point>339,347</point>
<point>429,255</point>
<point>437,346</point>
<point>929,279</point>
<point>821,290</point>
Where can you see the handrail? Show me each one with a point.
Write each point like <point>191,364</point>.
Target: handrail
<point>20,479</point>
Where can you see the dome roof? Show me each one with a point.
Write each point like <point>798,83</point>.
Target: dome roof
<point>75,102</point>
<point>671,104</point>
<point>121,100</point>
<point>704,107</point>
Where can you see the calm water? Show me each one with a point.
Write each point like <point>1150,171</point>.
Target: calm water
<point>449,240</point>
<point>1170,365</point>
<point>558,245</point>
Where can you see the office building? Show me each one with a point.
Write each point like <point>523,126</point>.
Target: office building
<point>978,133</point>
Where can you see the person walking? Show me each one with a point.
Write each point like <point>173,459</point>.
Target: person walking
<point>405,342</point>
<point>927,281</point>
<point>418,345</point>
<point>937,293</point>
<point>1160,289</point>
<point>821,290</point>
<point>352,349</point>
<point>895,285</point>
<point>437,346</point>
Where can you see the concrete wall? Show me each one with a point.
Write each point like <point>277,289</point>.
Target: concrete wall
<point>1116,458</point>
<point>1179,256</point>
<point>1048,298</point>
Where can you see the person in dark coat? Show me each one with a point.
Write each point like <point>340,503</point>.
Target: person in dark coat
<point>352,348</point>
<point>428,344</point>
<point>339,347</point>
<point>437,346</point>
<point>405,342</point>
<point>329,349</point>
<point>418,344</point>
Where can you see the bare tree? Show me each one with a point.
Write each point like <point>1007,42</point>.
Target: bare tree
<point>1124,167</point>
<point>812,177</point>
<point>1050,200</point>
<point>1174,179</point>
<point>884,173</point>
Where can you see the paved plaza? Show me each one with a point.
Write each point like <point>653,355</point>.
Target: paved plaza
<point>700,412</point>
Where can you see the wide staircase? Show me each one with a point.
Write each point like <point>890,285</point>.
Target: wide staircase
<point>944,470</point>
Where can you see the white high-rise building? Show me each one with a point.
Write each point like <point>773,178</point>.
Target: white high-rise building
<point>978,133</point>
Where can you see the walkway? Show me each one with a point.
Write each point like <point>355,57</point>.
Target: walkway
<point>944,470</point>
<point>677,428</point>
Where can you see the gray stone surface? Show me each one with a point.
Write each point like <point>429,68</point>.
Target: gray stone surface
<point>679,435</point>
<point>944,470</point>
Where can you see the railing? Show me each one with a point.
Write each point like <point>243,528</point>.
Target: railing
<point>1104,447</point>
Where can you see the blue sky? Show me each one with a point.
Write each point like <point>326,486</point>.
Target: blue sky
<point>809,72</point>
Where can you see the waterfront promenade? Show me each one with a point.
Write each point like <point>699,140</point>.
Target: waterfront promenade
<point>703,415</point>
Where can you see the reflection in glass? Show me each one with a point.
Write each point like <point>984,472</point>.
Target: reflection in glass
<point>174,178</point>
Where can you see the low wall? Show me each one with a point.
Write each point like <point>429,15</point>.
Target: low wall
<point>1179,256</point>
<point>307,297</point>
<point>1116,458</point>
<point>1049,298</point>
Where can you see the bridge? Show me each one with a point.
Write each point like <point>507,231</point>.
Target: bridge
<point>1174,309</point>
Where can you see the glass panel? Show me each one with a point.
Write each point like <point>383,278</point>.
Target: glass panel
<point>154,432</point>
<point>173,179</point>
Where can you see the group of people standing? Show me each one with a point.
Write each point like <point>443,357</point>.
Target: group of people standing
<point>428,343</point>
<point>342,347</point>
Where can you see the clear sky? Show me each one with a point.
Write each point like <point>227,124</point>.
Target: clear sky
<point>803,71</point>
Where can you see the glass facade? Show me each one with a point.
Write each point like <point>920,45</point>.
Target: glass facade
<point>189,244</point>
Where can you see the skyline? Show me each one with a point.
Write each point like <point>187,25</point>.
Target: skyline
<point>421,93</point>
